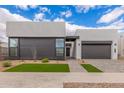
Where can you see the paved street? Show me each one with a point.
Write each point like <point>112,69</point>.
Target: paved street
<point>55,80</point>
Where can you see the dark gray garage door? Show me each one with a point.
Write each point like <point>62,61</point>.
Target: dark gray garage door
<point>96,50</point>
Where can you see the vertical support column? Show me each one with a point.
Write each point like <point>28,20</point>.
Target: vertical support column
<point>78,49</point>
<point>121,46</point>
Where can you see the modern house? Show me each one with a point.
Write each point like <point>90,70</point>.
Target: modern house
<point>29,40</point>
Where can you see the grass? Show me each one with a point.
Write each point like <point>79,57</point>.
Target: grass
<point>40,68</point>
<point>91,68</point>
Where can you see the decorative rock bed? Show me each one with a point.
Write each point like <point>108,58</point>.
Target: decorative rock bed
<point>92,85</point>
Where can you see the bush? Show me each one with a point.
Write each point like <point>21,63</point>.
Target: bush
<point>45,60</point>
<point>7,64</point>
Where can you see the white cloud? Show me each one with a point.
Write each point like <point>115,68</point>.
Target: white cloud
<point>45,20</point>
<point>71,28</point>
<point>67,13</point>
<point>39,17</point>
<point>44,9</point>
<point>23,7</point>
<point>119,24</point>
<point>84,8</point>
<point>59,20</point>
<point>26,7</point>
<point>109,10</point>
<point>6,15</point>
<point>33,6</point>
<point>112,15</point>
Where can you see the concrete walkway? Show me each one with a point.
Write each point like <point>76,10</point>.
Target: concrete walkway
<point>75,66</point>
<point>55,80</point>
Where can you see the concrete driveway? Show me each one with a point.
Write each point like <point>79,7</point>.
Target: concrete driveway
<point>107,65</point>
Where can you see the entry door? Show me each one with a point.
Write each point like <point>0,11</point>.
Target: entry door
<point>68,52</point>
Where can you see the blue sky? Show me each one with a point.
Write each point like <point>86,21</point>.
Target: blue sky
<point>75,17</point>
<point>83,16</point>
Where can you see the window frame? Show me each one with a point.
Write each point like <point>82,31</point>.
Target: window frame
<point>16,47</point>
<point>58,54</point>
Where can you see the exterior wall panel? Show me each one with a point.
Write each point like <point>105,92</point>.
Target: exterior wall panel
<point>38,48</point>
<point>36,29</point>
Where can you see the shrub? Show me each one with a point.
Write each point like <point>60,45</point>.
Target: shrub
<point>45,60</point>
<point>7,64</point>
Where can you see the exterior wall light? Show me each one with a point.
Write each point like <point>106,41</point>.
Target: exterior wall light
<point>115,50</point>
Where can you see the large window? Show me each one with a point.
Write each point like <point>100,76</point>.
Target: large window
<point>13,47</point>
<point>59,47</point>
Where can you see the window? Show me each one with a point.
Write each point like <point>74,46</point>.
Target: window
<point>13,46</point>
<point>59,47</point>
<point>59,42</point>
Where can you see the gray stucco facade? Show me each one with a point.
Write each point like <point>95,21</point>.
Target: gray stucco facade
<point>36,48</point>
<point>36,40</point>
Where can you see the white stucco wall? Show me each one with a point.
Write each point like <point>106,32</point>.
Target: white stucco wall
<point>121,44</point>
<point>35,29</point>
<point>97,35</point>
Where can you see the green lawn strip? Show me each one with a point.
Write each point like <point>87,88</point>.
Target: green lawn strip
<point>40,68</point>
<point>91,68</point>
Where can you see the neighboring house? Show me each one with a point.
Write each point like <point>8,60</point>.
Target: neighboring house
<point>36,40</point>
<point>3,50</point>
<point>121,44</point>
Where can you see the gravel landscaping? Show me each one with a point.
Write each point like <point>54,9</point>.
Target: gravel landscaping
<point>92,85</point>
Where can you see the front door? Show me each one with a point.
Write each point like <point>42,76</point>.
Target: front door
<point>67,52</point>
